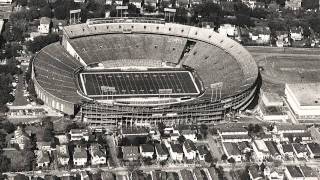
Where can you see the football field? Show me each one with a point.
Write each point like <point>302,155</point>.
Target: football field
<point>137,84</point>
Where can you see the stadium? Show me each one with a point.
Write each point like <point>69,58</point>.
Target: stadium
<point>115,72</point>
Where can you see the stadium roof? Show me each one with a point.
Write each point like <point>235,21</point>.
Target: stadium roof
<point>307,94</point>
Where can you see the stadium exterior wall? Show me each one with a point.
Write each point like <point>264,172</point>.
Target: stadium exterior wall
<point>51,100</point>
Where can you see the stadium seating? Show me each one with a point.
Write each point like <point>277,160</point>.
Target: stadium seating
<point>150,48</point>
<point>54,69</point>
<point>214,65</point>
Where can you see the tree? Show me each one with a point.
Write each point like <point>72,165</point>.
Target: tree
<point>181,139</point>
<point>61,12</point>
<point>257,128</point>
<point>149,8</point>
<point>231,160</point>
<point>204,130</point>
<point>262,167</point>
<point>8,127</point>
<point>37,3</point>
<point>22,2</point>
<point>41,41</point>
<point>224,157</point>
<point>45,11</point>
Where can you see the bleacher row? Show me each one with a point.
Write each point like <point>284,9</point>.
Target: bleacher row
<point>242,56</point>
<point>214,65</point>
<point>54,69</point>
<point>146,48</point>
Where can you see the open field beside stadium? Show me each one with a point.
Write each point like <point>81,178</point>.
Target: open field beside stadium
<point>146,83</point>
<point>284,68</point>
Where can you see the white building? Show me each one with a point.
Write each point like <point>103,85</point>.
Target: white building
<point>272,108</point>
<point>146,150</point>
<point>231,150</point>
<point>63,154</point>
<point>296,33</point>
<point>42,159</point>
<point>20,138</point>
<point>260,149</point>
<point>189,134</point>
<point>176,152</point>
<point>304,100</point>
<point>98,154</point>
<point>79,156</point>
<point>189,150</point>
<point>228,30</point>
<point>44,26</point>
<point>161,152</point>
<point>78,134</point>
<point>5,1</point>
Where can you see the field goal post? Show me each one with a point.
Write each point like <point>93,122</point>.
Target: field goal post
<point>110,90</point>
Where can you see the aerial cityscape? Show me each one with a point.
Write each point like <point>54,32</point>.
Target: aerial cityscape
<point>159,90</point>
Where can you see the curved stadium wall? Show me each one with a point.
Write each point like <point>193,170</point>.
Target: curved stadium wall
<point>212,59</point>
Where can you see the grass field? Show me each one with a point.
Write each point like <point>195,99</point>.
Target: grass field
<point>290,69</point>
<point>146,83</point>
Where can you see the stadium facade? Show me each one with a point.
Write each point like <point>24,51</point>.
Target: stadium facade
<point>112,72</point>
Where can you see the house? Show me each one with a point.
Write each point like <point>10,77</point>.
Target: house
<point>235,138</point>
<point>134,131</point>
<point>155,134</point>
<point>296,33</point>
<point>171,134</point>
<point>20,137</point>
<point>79,156</point>
<point>232,151</point>
<point>287,150</point>
<point>137,3</point>
<point>302,172</point>
<point>273,149</point>
<point>289,128</point>
<point>161,152</point>
<point>228,30</point>
<point>130,153</point>
<point>202,151</point>
<point>293,4</point>
<point>309,173</point>
<point>273,173</point>
<point>189,134</point>
<point>189,149</point>
<point>260,150</point>
<point>152,3</point>
<point>146,150</point>
<point>260,34</point>
<point>45,146</point>
<point>43,159</point>
<point>293,173</point>
<point>44,27</point>
<point>282,38</point>
<point>254,172</point>
<point>176,152</point>
<point>294,137</point>
<point>314,149</point>
<point>244,147</point>
<point>300,150</point>
<point>98,154</point>
<point>63,154</point>
<point>62,138</point>
<point>232,131</point>
<point>78,134</point>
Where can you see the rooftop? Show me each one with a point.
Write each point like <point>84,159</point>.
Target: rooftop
<point>232,148</point>
<point>308,171</point>
<point>177,148</point>
<point>300,148</point>
<point>307,94</point>
<point>79,153</point>
<point>287,148</point>
<point>314,147</point>
<point>161,149</point>
<point>295,171</point>
<point>45,20</point>
<point>130,151</point>
<point>147,148</point>
<point>189,145</point>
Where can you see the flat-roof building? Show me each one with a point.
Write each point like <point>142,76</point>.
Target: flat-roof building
<point>304,100</point>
